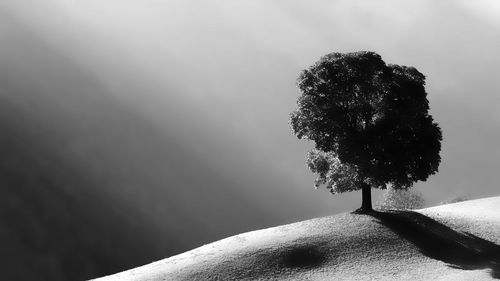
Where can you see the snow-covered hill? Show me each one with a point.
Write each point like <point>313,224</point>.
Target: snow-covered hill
<point>451,242</point>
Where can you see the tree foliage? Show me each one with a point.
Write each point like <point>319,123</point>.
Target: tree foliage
<point>397,199</point>
<point>369,122</point>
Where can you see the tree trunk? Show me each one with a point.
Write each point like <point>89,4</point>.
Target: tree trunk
<point>366,203</point>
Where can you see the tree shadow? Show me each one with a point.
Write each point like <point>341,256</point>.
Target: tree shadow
<point>460,250</point>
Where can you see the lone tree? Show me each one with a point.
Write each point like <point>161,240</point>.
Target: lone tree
<point>370,124</point>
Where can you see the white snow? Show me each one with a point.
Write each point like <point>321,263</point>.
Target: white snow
<point>340,247</point>
<point>480,217</point>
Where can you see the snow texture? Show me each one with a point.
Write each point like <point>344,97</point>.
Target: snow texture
<point>450,242</point>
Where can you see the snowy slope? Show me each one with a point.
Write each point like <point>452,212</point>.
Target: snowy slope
<point>431,244</point>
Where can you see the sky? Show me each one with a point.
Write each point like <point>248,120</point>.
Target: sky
<point>214,83</point>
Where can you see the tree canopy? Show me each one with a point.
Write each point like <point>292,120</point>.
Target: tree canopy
<point>369,121</point>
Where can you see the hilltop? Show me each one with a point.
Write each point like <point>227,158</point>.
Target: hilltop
<point>449,242</point>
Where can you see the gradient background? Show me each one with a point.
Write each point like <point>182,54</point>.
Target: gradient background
<point>135,130</point>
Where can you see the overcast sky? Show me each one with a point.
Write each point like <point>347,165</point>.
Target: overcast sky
<point>218,77</point>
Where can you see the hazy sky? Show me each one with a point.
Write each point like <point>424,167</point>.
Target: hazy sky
<point>218,77</point>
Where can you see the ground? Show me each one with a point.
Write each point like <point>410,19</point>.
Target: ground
<point>451,242</point>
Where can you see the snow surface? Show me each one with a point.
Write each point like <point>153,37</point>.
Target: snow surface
<point>347,247</point>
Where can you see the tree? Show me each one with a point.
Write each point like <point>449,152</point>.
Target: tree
<point>398,199</point>
<point>369,122</point>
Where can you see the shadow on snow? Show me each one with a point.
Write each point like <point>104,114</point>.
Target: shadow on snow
<point>458,249</point>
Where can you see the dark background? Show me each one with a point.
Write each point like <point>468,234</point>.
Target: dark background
<point>133,131</point>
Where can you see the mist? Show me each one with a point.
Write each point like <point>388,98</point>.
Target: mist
<point>168,121</point>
